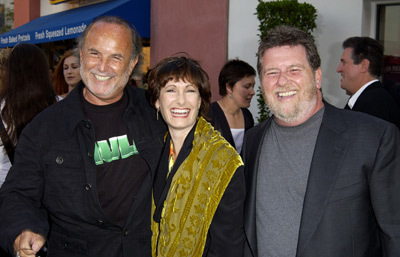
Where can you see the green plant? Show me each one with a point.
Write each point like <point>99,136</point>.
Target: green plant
<point>9,16</point>
<point>282,12</point>
<point>263,110</point>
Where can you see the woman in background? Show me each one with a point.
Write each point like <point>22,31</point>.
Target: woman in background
<point>230,115</point>
<point>199,184</point>
<point>67,73</point>
<point>26,90</point>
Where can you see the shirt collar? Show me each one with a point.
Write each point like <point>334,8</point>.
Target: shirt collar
<point>353,98</point>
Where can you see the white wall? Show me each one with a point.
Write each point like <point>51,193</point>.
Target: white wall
<point>336,21</point>
<point>243,39</point>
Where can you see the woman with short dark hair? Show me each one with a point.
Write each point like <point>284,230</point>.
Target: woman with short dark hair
<point>230,115</point>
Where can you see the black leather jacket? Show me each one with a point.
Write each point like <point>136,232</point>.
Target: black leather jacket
<point>51,188</point>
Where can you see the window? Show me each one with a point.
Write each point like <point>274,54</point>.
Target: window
<point>388,33</point>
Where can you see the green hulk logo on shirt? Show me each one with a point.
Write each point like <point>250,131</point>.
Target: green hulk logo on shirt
<point>113,149</point>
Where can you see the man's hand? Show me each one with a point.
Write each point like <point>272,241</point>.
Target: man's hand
<point>28,243</point>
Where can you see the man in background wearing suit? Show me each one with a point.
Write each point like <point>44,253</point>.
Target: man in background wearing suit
<point>361,65</point>
<point>320,181</point>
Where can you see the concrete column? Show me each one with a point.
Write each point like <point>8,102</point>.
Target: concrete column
<point>25,11</point>
<point>198,27</point>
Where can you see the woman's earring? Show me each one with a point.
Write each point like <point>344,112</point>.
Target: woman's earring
<point>230,96</point>
<point>157,112</point>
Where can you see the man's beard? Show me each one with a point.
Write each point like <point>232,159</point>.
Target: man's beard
<point>86,73</point>
<point>291,112</point>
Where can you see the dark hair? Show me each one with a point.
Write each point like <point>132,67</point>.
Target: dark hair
<point>26,88</point>
<point>60,85</point>
<point>4,53</point>
<point>233,71</point>
<point>288,36</point>
<point>366,48</point>
<point>136,40</point>
<point>179,68</point>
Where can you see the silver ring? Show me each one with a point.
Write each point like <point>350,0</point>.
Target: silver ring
<point>17,254</point>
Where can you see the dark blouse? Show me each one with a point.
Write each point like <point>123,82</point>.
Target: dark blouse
<point>220,123</point>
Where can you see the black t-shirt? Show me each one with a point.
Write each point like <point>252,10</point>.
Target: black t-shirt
<point>120,168</point>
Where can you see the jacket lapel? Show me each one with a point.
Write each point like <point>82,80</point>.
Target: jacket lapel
<point>224,125</point>
<point>162,184</point>
<point>328,155</point>
<point>251,153</point>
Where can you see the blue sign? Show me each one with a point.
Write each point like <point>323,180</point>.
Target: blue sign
<point>70,24</point>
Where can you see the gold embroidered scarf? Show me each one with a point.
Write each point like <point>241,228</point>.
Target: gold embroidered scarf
<point>196,190</point>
